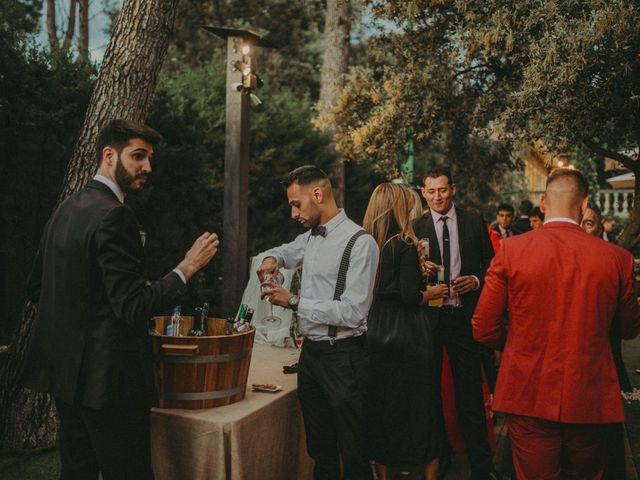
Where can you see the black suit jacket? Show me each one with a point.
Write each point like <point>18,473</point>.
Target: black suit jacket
<point>90,344</point>
<point>520,225</point>
<point>476,251</point>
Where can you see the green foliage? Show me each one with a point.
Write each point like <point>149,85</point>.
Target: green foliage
<point>42,104</point>
<point>294,26</point>
<point>188,182</point>
<point>472,81</point>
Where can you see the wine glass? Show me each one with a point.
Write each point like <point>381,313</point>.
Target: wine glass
<point>278,279</point>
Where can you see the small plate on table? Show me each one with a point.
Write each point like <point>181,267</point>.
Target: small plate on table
<point>265,387</point>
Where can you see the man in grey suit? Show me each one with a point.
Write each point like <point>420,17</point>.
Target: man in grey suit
<point>89,347</point>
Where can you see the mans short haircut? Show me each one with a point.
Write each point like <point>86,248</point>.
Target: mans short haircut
<point>438,172</point>
<point>525,207</point>
<point>118,133</point>
<point>596,210</point>
<point>537,213</point>
<point>505,207</point>
<point>573,175</point>
<point>305,175</point>
<point>607,219</point>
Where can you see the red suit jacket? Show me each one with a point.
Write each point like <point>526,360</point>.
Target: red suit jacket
<point>562,288</point>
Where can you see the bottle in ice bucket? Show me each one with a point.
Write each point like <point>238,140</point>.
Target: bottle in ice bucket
<point>199,328</point>
<point>176,320</point>
<point>438,302</point>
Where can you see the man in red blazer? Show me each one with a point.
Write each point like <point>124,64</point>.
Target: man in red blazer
<point>557,382</point>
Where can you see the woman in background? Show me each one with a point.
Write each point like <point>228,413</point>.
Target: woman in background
<point>536,218</point>
<point>402,388</point>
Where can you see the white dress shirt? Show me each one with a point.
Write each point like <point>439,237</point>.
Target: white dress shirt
<point>117,191</point>
<point>322,255</point>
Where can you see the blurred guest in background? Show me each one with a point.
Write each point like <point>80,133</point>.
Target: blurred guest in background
<point>536,218</point>
<point>521,224</point>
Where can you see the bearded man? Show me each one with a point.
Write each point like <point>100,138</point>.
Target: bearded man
<point>89,347</point>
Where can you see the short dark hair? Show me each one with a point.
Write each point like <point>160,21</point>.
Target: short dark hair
<point>505,207</point>
<point>525,207</point>
<point>304,175</point>
<point>438,172</point>
<point>536,212</point>
<point>117,134</point>
<point>597,211</point>
<point>570,173</point>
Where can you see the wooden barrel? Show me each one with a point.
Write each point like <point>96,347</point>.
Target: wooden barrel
<point>201,372</point>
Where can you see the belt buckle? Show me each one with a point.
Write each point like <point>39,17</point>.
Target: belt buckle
<point>332,341</point>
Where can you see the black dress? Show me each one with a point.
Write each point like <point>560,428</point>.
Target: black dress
<point>402,378</point>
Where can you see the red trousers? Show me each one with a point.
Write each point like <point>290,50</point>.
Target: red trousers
<point>545,450</point>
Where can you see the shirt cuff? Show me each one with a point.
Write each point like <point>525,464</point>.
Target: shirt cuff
<point>180,274</point>
<point>477,280</point>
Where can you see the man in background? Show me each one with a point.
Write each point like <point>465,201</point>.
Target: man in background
<point>504,218</point>
<point>521,224</point>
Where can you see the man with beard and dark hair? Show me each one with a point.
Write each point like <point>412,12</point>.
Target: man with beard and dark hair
<point>336,291</point>
<point>89,347</point>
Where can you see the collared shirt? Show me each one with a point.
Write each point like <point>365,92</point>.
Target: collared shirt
<point>454,244</point>
<point>322,255</point>
<point>504,233</point>
<point>560,219</point>
<point>117,191</point>
<point>115,188</point>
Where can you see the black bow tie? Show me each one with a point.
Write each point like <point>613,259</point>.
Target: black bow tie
<point>322,231</point>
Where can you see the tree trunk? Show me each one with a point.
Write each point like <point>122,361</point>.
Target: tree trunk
<point>124,89</point>
<point>83,34</point>
<point>51,24</point>
<point>337,31</point>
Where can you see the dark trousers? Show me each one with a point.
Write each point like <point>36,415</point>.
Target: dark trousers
<point>331,386</point>
<point>545,450</point>
<point>453,331</point>
<point>113,442</point>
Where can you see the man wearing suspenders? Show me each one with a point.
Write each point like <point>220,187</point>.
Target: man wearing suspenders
<point>336,291</point>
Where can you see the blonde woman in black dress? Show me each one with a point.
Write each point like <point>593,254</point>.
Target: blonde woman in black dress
<point>400,395</point>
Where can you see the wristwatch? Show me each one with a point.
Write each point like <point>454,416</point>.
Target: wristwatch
<point>293,302</point>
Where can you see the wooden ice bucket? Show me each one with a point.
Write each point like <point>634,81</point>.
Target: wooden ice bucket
<point>201,372</point>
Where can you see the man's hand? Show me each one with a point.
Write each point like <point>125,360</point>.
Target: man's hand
<point>464,284</point>
<point>199,255</point>
<point>276,295</point>
<point>268,265</point>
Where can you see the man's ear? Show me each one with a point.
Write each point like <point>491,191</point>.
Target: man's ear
<point>543,203</point>
<point>317,194</point>
<point>108,155</point>
<point>583,206</point>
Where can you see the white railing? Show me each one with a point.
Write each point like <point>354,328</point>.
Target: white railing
<point>616,203</point>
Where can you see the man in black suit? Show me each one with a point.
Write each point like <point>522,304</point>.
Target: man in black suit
<point>521,224</point>
<point>460,242</point>
<point>89,347</point>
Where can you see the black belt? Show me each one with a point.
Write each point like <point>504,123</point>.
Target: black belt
<point>332,343</point>
<point>450,308</point>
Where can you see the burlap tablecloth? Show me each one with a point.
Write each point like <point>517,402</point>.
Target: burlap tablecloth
<point>260,437</point>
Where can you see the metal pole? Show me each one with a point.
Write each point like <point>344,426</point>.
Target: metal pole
<point>236,185</point>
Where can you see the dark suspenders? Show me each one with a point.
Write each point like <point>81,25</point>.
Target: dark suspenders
<point>341,283</point>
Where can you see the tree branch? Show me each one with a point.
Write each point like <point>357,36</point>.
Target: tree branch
<point>628,162</point>
<point>71,25</point>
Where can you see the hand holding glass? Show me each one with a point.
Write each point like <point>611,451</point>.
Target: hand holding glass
<point>278,279</point>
